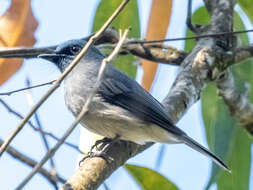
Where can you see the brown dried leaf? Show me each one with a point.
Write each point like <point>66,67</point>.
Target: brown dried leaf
<point>157,29</point>
<point>17,27</point>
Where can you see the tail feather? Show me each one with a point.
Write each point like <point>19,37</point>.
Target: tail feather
<point>196,146</point>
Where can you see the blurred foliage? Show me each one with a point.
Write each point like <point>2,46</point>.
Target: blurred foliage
<point>129,17</point>
<point>149,179</point>
<point>247,7</point>
<point>17,28</point>
<point>224,135</point>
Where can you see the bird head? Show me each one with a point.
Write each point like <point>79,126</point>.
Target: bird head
<point>61,55</point>
<point>64,53</point>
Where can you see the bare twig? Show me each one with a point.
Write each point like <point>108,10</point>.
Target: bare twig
<point>106,186</point>
<point>141,48</point>
<point>160,52</point>
<point>98,82</point>
<point>189,17</point>
<point>30,162</point>
<point>22,89</point>
<point>79,117</point>
<point>242,53</point>
<point>107,37</point>
<point>35,128</point>
<point>63,75</point>
<point>9,109</point>
<point>160,156</point>
<point>193,37</point>
<point>37,120</point>
<point>85,108</point>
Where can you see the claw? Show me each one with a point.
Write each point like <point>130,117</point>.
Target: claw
<point>105,144</point>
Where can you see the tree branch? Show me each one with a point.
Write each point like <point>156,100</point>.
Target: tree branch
<point>22,89</point>
<point>11,110</point>
<point>150,50</point>
<point>30,162</point>
<point>242,53</point>
<point>166,54</point>
<point>154,52</point>
<point>238,103</point>
<point>40,127</point>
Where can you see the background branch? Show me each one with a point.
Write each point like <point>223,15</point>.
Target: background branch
<point>30,162</point>
<point>22,89</point>
<point>238,103</point>
<point>85,107</point>
<point>37,120</point>
<point>150,50</point>
<point>242,53</point>
<point>11,110</point>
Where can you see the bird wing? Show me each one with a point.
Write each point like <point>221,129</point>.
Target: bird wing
<point>120,90</point>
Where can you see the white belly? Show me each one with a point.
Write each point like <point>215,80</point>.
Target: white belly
<point>117,121</point>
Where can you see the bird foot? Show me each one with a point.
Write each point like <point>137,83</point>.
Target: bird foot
<point>102,146</point>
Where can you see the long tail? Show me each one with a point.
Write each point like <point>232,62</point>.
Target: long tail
<point>196,146</point>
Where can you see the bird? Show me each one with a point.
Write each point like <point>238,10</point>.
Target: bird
<point>120,108</point>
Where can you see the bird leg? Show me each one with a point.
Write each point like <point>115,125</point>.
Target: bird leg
<point>105,145</point>
<point>99,144</point>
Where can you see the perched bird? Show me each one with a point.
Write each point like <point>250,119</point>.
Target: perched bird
<point>120,107</point>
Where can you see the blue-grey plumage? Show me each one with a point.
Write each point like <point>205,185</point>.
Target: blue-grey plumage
<point>121,106</point>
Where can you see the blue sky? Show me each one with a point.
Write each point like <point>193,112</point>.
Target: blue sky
<point>60,20</point>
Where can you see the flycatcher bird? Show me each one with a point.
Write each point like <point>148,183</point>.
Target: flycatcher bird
<point>121,107</point>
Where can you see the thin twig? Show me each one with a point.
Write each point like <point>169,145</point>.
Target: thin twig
<point>160,156</point>
<point>192,37</point>
<point>11,110</point>
<point>37,120</point>
<point>106,186</point>
<point>79,117</point>
<point>100,75</point>
<point>22,89</point>
<point>30,162</point>
<point>106,39</point>
<point>62,77</point>
<point>85,108</point>
<point>154,52</point>
<point>189,17</point>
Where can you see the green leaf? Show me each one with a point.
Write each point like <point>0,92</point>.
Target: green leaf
<point>247,7</point>
<point>220,127</point>
<point>149,179</point>
<point>129,17</point>
<point>225,138</point>
<point>239,160</point>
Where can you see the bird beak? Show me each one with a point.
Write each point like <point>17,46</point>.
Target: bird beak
<point>26,52</point>
<point>53,57</point>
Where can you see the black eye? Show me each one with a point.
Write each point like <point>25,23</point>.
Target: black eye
<point>75,49</point>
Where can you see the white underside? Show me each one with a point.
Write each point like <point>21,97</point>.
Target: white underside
<point>116,121</point>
